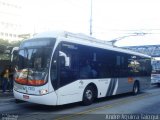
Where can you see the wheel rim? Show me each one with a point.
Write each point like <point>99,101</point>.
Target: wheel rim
<point>89,94</point>
<point>135,89</point>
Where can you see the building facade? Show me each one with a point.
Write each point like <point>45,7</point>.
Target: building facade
<point>10,19</point>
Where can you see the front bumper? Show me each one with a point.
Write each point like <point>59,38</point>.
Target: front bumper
<point>47,99</point>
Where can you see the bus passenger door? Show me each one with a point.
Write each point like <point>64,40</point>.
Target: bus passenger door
<point>68,75</point>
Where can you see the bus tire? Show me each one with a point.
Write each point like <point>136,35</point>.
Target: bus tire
<point>158,84</point>
<point>135,88</point>
<point>18,101</point>
<point>88,95</point>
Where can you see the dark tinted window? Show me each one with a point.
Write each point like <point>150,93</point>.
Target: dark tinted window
<point>69,63</point>
<point>106,63</point>
<point>84,62</point>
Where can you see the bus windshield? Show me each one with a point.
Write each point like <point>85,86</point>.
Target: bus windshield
<point>156,65</point>
<point>33,65</point>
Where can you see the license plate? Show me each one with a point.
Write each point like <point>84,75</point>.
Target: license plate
<point>25,96</point>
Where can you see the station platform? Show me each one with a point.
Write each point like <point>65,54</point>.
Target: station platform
<point>6,97</point>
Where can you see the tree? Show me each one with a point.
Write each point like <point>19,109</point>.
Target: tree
<point>7,43</point>
<point>4,44</point>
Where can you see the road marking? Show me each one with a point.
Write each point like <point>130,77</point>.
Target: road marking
<point>102,107</point>
<point>107,106</point>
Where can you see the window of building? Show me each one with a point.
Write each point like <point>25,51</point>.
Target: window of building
<point>1,33</point>
<point>6,34</point>
<point>10,35</point>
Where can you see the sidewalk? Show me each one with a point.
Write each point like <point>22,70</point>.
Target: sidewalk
<point>6,97</point>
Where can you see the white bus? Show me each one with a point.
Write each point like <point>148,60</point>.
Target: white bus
<point>155,76</point>
<point>56,68</point>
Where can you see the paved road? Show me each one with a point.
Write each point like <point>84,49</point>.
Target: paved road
<point>124,106</point>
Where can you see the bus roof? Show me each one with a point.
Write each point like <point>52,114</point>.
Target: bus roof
<point>86,40</point>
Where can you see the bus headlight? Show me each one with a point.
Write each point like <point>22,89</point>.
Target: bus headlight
<point>42,92</point>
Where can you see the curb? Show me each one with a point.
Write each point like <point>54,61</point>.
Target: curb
<point>7,100</point>
<point>7,97</point>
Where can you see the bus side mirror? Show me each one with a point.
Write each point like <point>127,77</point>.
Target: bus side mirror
<point>64,59</point>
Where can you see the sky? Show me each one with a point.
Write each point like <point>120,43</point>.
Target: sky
<point>110,18</point>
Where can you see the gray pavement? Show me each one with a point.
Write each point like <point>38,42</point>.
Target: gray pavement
<point>6,97</point>
<point>146,102</point>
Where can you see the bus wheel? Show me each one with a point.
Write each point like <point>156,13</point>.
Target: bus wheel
<point>158,84</point>
<point>88,95</point>
<point>18,101</point>
<point>136,88</point>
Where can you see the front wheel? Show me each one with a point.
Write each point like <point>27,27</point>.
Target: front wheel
<point>88,95</point>
<point>19,101</point>
<point>135,88</point>
<point>158,84</point>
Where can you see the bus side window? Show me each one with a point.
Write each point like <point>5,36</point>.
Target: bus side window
<point>86,70</point>
<point>68,60</point>
<point>64,62</point>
